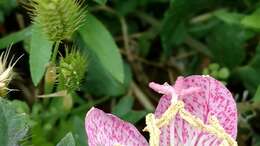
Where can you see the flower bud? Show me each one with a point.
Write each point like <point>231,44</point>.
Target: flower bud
<point>50,78</point>
<point>67,102</point>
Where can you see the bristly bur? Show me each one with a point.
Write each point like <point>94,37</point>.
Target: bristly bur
<point>59,19</point>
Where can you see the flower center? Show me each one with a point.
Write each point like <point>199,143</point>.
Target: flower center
<point>177,106</point>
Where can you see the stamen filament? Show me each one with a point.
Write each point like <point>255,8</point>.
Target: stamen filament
<point>154,125</point>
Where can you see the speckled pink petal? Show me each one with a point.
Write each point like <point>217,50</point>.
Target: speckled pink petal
<point>212,98</point>
<point>108,130</point>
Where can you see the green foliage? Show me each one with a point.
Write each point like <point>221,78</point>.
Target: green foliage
<point>123,106</point>
<point>228,53</point>
<point>250,78</point>
<point>107,73</point>
<point>14,123</point>
<point>123,45</point>
<point>124,110</point>
<point>101,2</point>
<point>134,116</point>
<point>174,24</point>
<point>215,71</point>
<point>15,37</point>
<point>256,97</point>
<point>68,140</point>
<point>99,40</point>
<point>58,18</point>
<point>5,8</point>
<point>252,20</point>
<point>229,17</point>
<point>40,53</point>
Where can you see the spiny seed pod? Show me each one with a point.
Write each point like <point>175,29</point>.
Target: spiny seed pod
<point>72,69</point>
<point>58,18</point>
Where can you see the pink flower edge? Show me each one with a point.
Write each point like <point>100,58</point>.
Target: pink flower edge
<point>108,130</point>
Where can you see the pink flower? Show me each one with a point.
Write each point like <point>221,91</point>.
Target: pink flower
<point>203,97</point>
<point>108,130</point>
<point>213,98</point>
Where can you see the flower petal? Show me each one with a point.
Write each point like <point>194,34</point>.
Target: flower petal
<point>108,130</point>
<point>212,98</point>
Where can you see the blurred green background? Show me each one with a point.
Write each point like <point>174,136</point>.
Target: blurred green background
<point>129,43</point>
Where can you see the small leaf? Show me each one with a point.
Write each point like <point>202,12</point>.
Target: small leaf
<point>175,21</point>
<point>7,5</point>
<point>15,37</point>
<point>124,106</point>
<point>250,78</point>
<point>134,116</point>
<point>101,2</point>
<point>41,49</point>
<point>256,97</point>
<point>229,53</point>
<point>79,131</point>
<point>229,17</point>
<point>13,125</point>
<point>97,38</point>
<point>125,7</point>
<point>252,20</point>
<point>68,140</point>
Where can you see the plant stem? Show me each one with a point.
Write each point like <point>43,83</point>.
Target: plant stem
<point>143,99</point>
<point>55,52</point>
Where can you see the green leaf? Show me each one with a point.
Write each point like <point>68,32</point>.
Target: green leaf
<point>99,81</point>
<point>97,38</point>
<point>21,107</point>
<point>124,106</point>
<point>126,6</point>
<point>41,49</point>
<point>7,5</point>
<point>256,97</point>
<point>101,2</point>
<point>13,125</point>
<point>15,37</point>
<point>255,62</point>
<point>229,17</point>
<point>175,21</point>
<point>250,77</point>
<point>68,140</point>
<point>256,139</point>
<point>2,17</point>
<point>79,131</point>
<point>134,116</point>
<point>229,53</point>
<point>252,20</point>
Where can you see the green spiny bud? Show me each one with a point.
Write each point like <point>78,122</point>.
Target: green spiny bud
<point>72,70</point>
<point>58,18</point>
<point>50,78</point>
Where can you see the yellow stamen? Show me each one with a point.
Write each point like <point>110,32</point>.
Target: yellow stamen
<point>153,129</point>
<point>213,127</point>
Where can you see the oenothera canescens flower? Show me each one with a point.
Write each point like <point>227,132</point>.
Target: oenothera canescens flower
<point>196,111</point>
